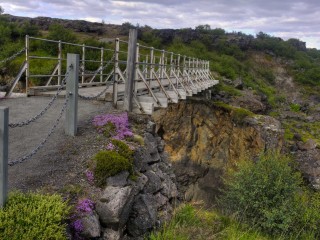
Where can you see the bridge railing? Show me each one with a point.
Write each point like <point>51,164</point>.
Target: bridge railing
<point>157,70</point>
<point>92,61</point>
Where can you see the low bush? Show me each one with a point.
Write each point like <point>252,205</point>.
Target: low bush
<point>33,216</point>
<point>269,195</point>
<point>123,149</point>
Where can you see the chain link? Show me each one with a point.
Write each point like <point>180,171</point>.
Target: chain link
<point>34,151</point>
<point>13,56</point>
<point>27,122</point>
<point>96,96</point>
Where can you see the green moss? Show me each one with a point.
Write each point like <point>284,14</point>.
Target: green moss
<point>295,107</point>
<point>123,149</point>
<point>109,129</point>
<point>33,216</point>
<point>238,114</point>
<point>109,163</point>
<point>307,130</point>
<point>190,222</point>
<point>228,89</point>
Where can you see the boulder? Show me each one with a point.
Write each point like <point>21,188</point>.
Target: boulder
<point>91,225</point>
<point>150,143</point>
<point>143,216</point>
<point>310,144</point>
<point>119,180</point>
<point>114,205</point>
<point>151,127</point>
<point>169,188</point>
<point>309,165</point>
<point>110,234</point>
<point>154,182</point>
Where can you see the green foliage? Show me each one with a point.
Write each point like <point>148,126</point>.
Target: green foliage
<point>269,195</point>
<point>295,107</point>
<point>33,216</point>
<point>189,222</point>
<point>109,163</point>
<point>109,129</point>
<point>238,114</point>
<point>123,149</point>
<point>307,130</point>
<point>59,32</point>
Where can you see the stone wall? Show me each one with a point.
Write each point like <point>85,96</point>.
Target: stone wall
<point>129,208</point>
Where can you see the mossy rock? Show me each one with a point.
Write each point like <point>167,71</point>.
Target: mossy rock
<point>109,163</point>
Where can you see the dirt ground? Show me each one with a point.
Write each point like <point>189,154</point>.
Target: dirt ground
<point>62,160</point>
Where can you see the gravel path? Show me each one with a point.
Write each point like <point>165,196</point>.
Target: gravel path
<point>62,159</point>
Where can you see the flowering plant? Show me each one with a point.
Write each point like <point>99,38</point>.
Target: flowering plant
<point>120,121</point>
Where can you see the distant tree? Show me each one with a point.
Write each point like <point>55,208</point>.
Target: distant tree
<point>1,10</point>
<point>205,27</point>
<point>58,32</point>
<point>125,28</point>
<point>218,31</point>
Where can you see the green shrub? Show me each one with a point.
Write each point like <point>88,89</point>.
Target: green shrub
<point>123,149</point>
<point>265,194</point>
<point>109,129</point>
<point>33,216</point>
<point>295,107</point>
<point>109,163</point>
<point>238,114</point>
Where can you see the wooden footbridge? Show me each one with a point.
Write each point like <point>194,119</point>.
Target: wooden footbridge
<point>133,76</point>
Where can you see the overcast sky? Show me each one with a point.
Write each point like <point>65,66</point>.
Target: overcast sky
<point>282,18</point>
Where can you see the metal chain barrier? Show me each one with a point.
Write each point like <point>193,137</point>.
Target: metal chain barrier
<point>107,85</point>
<point>34,151</point>
<point>27,122</point>
<point>96,96</point>
<point>13,56</point>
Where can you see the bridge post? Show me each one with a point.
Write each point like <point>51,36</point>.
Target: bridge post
<point>116,74</point>
<point>131,68</point>
<point>28,63</point>
<point>101,64</point>
<point>72,92</point>
<point>4,119</point>
<point>83,62</point>
<point>59,61</point>
<point>152,61</point>
<point>137,64</point>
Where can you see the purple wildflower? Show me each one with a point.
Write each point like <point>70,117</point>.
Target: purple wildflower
<point>77,226</point>
<point>110,146</point>
<point>85,206</point>
<point>90,176</point>
<point>120,121</point>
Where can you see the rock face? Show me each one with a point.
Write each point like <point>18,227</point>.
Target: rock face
<point>203,141</point>
<point>128,209</point>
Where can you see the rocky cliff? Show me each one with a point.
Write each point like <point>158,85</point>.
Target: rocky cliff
<point>204,140</point>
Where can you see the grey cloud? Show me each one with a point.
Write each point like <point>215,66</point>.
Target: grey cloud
<point>290,17</point>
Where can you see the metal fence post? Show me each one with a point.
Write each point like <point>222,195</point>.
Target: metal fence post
<point>115,73</point>
<point>28,63</point>
<point>4,119</point>
<point>59,61</point>
<point>72,92</point>
<point>132,48</point>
